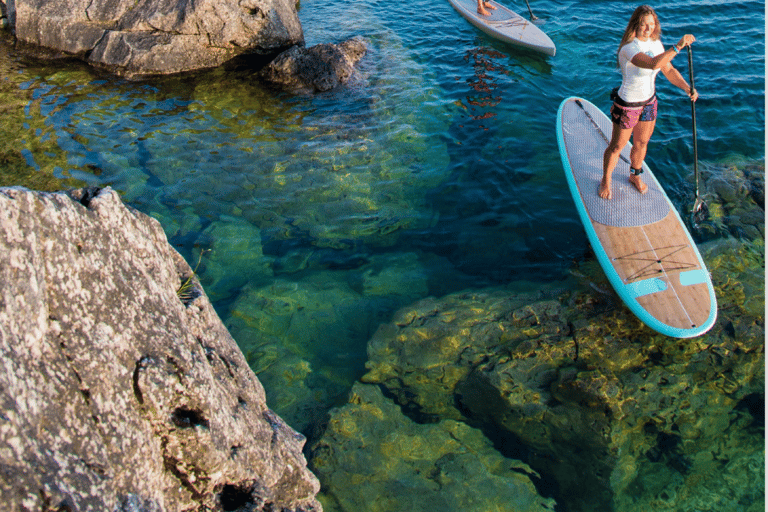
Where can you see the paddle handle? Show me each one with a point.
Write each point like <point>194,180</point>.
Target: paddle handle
<point>693,118</point>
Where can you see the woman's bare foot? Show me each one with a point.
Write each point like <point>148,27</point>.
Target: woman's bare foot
<point>635,180</point>
<point>482,8</point>
<point>605,188</point>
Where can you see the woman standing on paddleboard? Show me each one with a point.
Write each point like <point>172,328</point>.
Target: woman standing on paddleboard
<point>641,56</point>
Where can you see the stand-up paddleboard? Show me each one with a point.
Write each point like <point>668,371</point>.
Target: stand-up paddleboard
<point>639,239</point>
<point>506,25</point>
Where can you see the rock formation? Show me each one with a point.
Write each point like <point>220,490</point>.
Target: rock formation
<point>151,37</point>
<point>121,389</point>
<point>3,15</point>
<point>398,464</point>
<point>610,414</point>
<point>316,69</point>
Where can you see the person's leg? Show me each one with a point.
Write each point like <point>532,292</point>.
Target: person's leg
<point>481,8</point>
<point>619,138</point>
<point>641,136</point>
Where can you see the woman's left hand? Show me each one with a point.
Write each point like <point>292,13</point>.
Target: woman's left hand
<point>694,96</point>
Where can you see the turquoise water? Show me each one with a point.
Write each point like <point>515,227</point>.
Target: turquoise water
<point>436,170</point>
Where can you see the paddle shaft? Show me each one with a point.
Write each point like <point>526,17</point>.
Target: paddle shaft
<point>693,117</point>
<point>529,10</point>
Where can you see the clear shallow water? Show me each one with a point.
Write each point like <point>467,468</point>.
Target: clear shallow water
<point>436,170</point>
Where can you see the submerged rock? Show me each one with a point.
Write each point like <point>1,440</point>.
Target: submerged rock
<point>733,193</point>
<point>121,388</point>
<point>377,459</point>
<point>278,326</point>
<point>152,37</point>
<point>319,68</point>
<point>3,15</point>
<point>612,412</point>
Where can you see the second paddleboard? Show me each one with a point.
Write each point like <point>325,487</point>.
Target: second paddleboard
<point>506,25</point>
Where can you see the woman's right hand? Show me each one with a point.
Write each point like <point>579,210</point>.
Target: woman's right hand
<point>686,40</point>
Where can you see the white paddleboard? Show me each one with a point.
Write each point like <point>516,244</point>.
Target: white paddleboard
<point>506,25</point>
<point>640,240</point>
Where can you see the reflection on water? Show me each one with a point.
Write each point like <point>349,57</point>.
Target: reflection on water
<point>483,83</point>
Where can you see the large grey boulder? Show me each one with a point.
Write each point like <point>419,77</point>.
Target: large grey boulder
<point>149,37</point>
<point>119,392</point>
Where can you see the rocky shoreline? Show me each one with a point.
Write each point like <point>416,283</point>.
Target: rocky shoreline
<point>121,389</point>
<point>164,37</point>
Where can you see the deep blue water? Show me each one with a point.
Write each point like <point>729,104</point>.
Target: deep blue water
<point>435,170</point>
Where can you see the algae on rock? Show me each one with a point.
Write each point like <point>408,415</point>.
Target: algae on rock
<point>597,401</point>
<point>376,459</point>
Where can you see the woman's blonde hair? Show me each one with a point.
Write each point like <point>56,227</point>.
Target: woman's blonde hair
<point>634,25</point>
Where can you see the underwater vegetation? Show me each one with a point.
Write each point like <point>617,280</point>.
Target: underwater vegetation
<point>602,412</point>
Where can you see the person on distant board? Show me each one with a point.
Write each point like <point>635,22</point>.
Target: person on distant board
<point>483,6</point>
<point>641,56</point>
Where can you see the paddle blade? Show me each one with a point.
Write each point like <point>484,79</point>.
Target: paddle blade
<point>699,212</point>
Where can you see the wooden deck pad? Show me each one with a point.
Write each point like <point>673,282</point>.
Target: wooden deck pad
<point>666,277</point>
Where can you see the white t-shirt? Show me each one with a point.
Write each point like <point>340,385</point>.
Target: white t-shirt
<point>638,84</point>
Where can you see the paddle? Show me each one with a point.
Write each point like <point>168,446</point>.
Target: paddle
<point>698,204</point>
<point>533,17</point>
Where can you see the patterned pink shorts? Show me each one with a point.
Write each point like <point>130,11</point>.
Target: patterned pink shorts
<point>627,117</point>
